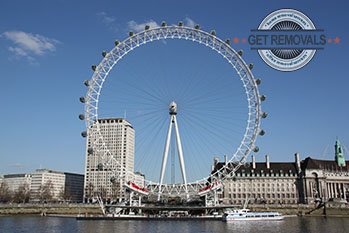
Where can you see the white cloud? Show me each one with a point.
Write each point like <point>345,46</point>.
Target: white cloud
<point>140,27</point>
<point>27,44</point>
<point>189,22</point>
<point>105,18</point>
<point>17,50</point>
<point>16,165</point>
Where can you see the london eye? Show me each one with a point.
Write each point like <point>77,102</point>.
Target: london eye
<point>183,115</point>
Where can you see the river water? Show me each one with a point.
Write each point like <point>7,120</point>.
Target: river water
<point>28,224</point>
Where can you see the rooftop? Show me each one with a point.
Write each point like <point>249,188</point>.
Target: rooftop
<point>261,167</point>
<point>330,165</point>
<point>116,119</point>
<point>15,175</point>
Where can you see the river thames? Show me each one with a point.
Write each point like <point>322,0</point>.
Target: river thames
<point>58,224</point>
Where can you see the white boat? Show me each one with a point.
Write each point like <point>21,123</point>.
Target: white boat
<point>246,215</point>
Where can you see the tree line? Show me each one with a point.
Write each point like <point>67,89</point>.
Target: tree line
<point>25,195</point>
<point>113,195</point>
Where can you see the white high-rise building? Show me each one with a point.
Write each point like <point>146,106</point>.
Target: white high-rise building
<point>119,137</point>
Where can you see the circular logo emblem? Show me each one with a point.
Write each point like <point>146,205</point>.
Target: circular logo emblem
<point>286,59</point>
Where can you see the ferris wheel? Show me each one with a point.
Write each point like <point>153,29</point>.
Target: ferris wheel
<point>186,188</point>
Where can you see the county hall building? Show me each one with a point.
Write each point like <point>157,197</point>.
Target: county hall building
<point>301,181</point>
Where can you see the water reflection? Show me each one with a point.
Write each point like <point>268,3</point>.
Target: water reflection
<point>255,226</point>
<point>55,224</point>
<point>134,226</point>
<point>36,224</point>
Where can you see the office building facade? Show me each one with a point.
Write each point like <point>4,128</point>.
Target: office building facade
<point>15,181</point>
<point>62,186</point>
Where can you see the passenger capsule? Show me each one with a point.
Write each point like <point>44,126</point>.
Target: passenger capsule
<point>197,26</point>
<point>84,134</point>
<point>227,41</point>
<point>256,149</point>
<point>87,83</point>
<point>146,27</point>
<point>82,117</point>
<point>163,24</point>
<point>82,99</point>
<point>89,151</point>
<point>131,33</point>
<point>250,66</point>
<point>180,23</point>
<point>112,179</point>
<point>94,67</point>
<point>100,167</point>
<point>264,115</point>
<point>104,53</point>
<point>258,81</point>
<point>240,53</point>
<point>263,97</point>
<point>262,132</point>
<point>116,42</point>
<point>213,33</point>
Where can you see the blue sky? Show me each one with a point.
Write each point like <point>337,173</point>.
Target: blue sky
<point>47,48</point>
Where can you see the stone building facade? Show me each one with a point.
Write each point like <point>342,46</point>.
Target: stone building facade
<point>324,180</point>
<point>307,181</point>
<point>262,182</point>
